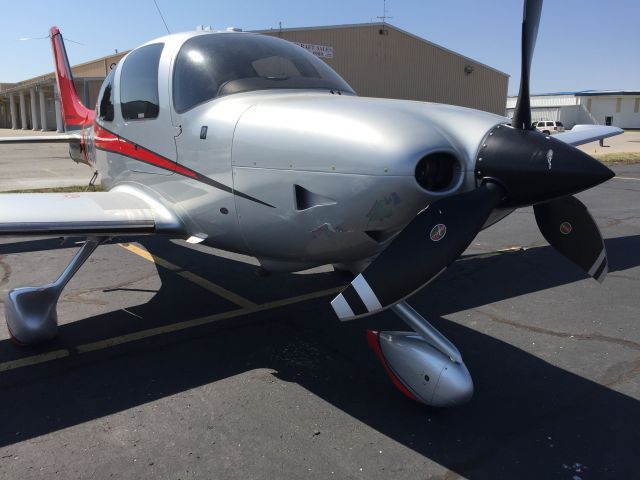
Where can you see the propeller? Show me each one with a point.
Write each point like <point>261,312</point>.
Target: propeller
<point>516,166</point>
<point>568,226</point>
<point>433,240</point>
<point>530,22</point>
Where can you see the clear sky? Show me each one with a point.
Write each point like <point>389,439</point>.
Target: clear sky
<point>582,44</point>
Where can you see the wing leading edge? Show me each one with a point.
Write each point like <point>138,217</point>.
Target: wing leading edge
<point>64,138</point>
<point>122,212</point>
<point>581,134</point>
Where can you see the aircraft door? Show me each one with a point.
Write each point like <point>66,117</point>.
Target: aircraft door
<point>204,146</point>
<point>206,126</point>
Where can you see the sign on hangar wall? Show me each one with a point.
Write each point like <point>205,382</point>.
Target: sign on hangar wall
<point>322,51</point>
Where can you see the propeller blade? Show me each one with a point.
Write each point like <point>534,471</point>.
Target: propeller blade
<point>530,22</point>
<point>569,227</point>
<point>433,240</point>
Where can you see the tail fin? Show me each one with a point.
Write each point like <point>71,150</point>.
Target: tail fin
<point>74,113</point>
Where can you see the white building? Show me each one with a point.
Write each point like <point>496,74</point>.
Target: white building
<point>605,107</point>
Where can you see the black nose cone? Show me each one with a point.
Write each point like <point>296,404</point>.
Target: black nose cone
<point>535,168</point>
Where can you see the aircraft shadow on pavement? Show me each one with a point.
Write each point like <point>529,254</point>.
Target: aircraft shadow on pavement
<point>528,418</point>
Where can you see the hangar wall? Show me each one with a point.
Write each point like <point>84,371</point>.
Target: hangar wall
<point>623,110</point>
<point>380,60</point>
<point>619,108</point>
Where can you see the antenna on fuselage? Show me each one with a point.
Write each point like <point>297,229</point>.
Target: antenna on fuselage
<point>24,39</point>
<point>161,16</point>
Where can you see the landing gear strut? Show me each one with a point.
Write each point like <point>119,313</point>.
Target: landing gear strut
<point>424,364</point>
<point>31,312</point>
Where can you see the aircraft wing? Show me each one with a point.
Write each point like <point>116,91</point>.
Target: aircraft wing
<point>123,212</point>
<point>581,134</point>
<point>65,138</point>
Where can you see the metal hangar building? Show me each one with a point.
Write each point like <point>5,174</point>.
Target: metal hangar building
<point>376,59</point>
<point>620,108</point>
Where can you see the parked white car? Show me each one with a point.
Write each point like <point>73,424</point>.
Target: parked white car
<point>548,127</point>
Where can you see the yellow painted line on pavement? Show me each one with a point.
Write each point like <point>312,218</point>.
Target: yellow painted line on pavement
<point>172,327</point>
<point>152,332</point>
<point>297,299</point>
<point>494,252</point>
<point>192,277</point>
<point>33,360</point>
<point>627,178</point>
<point>511,249</point>
<point>197,322</point>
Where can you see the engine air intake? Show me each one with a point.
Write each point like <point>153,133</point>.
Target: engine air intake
<point>437,171</point>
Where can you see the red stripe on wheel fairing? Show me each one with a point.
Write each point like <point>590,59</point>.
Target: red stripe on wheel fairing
<point>373,340</point>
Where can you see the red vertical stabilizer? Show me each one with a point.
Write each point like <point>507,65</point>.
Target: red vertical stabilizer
<point>74,113</point>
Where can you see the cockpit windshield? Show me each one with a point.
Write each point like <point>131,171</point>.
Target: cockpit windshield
<point>210,66</point>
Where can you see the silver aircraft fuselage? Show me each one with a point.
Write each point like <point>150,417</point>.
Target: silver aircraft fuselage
<point>296,178</point>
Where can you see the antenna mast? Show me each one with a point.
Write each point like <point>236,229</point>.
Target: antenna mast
<point>161,16</point>
<point>384,16</point>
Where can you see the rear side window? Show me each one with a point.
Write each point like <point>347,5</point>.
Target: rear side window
<point>549,124</point>
<point>139,83</point>
<point>105,99</point>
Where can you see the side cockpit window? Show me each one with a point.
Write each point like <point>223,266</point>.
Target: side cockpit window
<point>105,99</point>
<point>139,83</point>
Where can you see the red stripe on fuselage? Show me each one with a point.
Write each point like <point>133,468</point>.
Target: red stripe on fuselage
<point>106,140</point>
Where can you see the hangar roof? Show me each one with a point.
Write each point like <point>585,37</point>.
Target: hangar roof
<point>603,93</point>
<point>588,93</point>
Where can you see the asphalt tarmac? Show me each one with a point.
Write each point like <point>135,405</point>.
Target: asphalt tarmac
<point>183,363</point>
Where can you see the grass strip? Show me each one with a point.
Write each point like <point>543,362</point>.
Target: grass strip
<point>622,158</point>
<point>72,189</point>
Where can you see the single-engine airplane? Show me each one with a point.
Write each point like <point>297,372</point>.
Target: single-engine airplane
<point>251,144</point>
